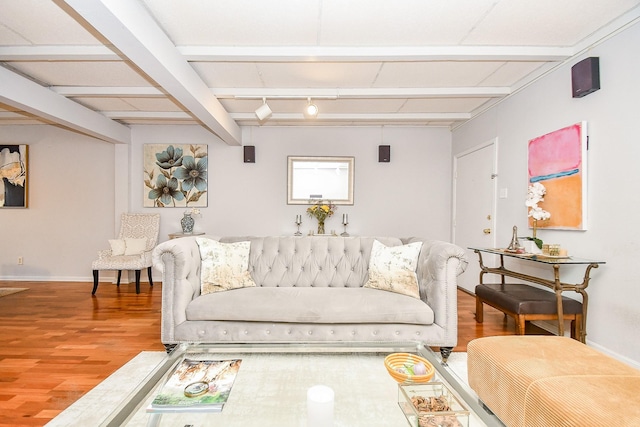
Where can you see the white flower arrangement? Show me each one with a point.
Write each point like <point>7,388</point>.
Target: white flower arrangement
<point>536,195</point>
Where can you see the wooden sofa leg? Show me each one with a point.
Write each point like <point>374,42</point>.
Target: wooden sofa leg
<point>149,274</point>
<point>119,276</point>
<point>479,311</point>
<point>137,281</point>
<point>95,282</point>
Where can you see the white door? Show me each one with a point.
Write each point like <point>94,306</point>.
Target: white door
<point>474,206</point>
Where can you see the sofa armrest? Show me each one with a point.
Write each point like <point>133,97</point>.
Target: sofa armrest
<point>179,261</point>
<point>439,266</point>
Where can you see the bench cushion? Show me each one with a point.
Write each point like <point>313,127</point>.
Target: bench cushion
<point>525,299</point>
<point>310,305</point>
<point>546,381</point>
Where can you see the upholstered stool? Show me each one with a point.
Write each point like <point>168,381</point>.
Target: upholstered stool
<point>525,303</point>
<point>548,381</point>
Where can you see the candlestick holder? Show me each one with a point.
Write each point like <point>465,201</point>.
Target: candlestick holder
<point>298,223</point>
<point>344,233</point>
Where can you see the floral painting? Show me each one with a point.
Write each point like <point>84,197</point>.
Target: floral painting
<point>175,176</point>
<point>558,161</point>
<point>13,176</point>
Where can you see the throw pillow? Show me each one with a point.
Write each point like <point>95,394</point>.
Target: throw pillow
<point>135,246</point>
<point>393,268</point>
<point>117,247</point>
<point>225,266</point>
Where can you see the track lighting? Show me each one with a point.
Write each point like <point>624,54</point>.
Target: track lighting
<point>263,112</point>
<point>311,110</point>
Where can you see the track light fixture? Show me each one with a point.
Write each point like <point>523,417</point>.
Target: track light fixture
<point>263,112</point>
<point>311,110</point>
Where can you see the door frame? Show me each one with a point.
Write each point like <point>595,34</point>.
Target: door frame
<point>494,206</point>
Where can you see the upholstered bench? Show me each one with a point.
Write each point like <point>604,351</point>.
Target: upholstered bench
<point>545,381</point>
<point>525,303</point>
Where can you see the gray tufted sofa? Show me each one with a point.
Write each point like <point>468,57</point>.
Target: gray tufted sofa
<point>309,289</point>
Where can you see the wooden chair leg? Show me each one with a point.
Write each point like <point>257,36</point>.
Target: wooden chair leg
<point>95,282</point>
<point>119,276</point>
<point>137,281</point>
<point>479,311</point>
<point>149,274</point>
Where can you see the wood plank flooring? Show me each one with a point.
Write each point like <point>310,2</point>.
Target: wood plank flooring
<point>57,342</point>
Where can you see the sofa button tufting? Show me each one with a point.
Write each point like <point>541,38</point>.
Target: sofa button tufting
<point>224,332</point>
<point>332,332</point>
<point>353,332</point>
<point>375,332</point>
<point>246,332</point>
<point>418,333</point>
<point>268,332</point>
<point>310,332</point>
<point>397,332</point>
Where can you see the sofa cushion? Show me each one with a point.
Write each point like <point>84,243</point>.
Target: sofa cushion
<point>310,305</point>
<point>224,265</point>
<point>393,268</point>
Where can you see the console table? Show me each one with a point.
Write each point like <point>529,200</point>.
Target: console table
<point>556,284</point>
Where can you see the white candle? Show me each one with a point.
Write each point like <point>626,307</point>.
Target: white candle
<point>320,406</point>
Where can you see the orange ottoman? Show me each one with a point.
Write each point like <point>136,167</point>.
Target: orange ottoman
<point>546,381</point>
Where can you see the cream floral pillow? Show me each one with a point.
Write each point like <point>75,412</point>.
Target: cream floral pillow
<point>393,268</point>
<point>225,266</point>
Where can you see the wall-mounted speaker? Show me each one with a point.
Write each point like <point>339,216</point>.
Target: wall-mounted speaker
<point>585,77</point>
<point>249,154</point>
<point>384,153</point>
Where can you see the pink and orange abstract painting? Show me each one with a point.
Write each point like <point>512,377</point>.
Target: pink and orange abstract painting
<point>558,160</point>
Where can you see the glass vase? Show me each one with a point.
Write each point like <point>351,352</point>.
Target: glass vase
<point>187,223</point>
<point>320,227</point>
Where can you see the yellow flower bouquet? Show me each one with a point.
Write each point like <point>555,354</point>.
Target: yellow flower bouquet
<point>321,211</point>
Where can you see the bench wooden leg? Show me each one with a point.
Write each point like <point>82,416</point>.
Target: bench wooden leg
<point>479,311</point>
<point>520,323</point>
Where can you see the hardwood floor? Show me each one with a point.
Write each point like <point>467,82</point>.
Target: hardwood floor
<point>57,342</point>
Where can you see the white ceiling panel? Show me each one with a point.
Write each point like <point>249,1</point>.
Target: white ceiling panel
<point>317,75</point>
<point>82,73</point>
<point>546,22</point>
<point>363,62</point>
<point>435,74</point>
<point>237,22</point>
<point>42,22</point>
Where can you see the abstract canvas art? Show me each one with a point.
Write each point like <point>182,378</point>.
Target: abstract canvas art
<point>13,176</point>
<point>175,175</point>
<point>558,160</point>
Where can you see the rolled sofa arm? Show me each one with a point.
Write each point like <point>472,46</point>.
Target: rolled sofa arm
<point>179,261</point>
<point>439,266</point>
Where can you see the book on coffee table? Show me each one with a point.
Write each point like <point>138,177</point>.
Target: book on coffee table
<point>197,385</point>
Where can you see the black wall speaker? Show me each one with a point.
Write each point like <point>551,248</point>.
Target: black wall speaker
<point>249,154</point>
<point>585,77</point>
<point>384,153</point>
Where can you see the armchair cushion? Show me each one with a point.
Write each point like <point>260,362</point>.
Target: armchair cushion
<point>225,266</point>
<point>135,246</point>
<point>393,268</point>
<point>117,247</point>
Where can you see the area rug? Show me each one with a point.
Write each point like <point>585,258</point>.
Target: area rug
<point>8,291</point>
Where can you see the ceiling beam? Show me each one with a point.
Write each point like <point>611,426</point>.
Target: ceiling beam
<point>301,53</point>
<point>291,93</point>
<point>131,30</point>
<point>26,95</point>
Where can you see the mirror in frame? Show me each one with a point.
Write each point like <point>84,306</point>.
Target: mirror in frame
<point>310,179</point>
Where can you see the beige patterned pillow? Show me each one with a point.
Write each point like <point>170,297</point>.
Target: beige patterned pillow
<point>225,266</point>
<point>393,268</point>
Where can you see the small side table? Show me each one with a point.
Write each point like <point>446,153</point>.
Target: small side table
<point>181,234</point>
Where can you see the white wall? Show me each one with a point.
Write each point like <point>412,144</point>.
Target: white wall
<point>410,196</point>
<point>79,186</point>
<point>613,233</point>
<point>70,214</point>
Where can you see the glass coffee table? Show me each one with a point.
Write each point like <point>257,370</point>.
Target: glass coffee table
<point>271,386</point>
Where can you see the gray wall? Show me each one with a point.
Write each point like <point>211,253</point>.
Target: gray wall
<point>613,233</point>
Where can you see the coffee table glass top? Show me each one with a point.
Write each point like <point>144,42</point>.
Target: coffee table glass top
<point>271,386</point>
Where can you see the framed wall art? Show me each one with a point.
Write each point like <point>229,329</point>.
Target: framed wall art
<point>175,175</point>
<point>14,163</point>
<point>558,160</point>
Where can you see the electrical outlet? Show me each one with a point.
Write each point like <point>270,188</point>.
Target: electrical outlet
<point>20,260</point>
